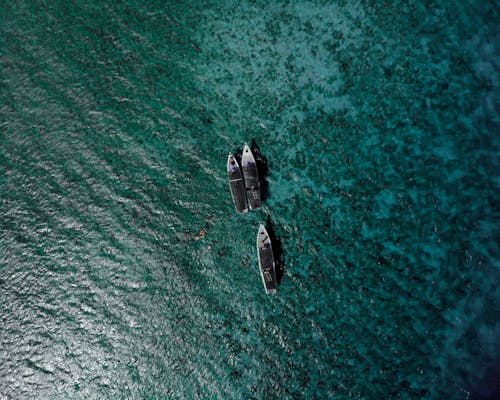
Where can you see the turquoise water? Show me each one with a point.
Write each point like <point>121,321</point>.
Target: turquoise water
<point>379,122</point>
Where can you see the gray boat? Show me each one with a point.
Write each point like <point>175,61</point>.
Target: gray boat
<point>251,178</point>
<point>266,261</point>
<point>236,185</point>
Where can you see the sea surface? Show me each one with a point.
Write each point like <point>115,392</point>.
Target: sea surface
<point>125,272</point>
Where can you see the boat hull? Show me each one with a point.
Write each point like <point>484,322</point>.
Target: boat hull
<point>251,178</point>
<point>266,261</point>
<point>236,185</point>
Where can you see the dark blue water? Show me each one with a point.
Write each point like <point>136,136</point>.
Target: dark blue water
<point>125,271</point>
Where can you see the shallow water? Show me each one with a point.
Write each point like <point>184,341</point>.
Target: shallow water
<point>380,128</point>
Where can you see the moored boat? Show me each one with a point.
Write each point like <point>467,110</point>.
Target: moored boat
<point>266,261</point>
<point>236,185</point>
<point>251,178</point>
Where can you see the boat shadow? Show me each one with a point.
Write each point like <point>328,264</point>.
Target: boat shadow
<point>237,155</point>
<point>278,253</point>
<point>262,169</point>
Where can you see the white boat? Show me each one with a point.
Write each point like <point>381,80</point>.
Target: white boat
<point>266,261</point>
<point>236,185</point>
<point>251,178</point>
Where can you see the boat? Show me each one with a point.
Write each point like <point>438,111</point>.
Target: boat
<point>236,185</point>
<point>266,261</point>
<point>251,178</point>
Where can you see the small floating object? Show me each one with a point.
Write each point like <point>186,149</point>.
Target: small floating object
<point>266,260</point>
<point>236,185</point>
<point>251,177</point>
<point>200,235</point>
